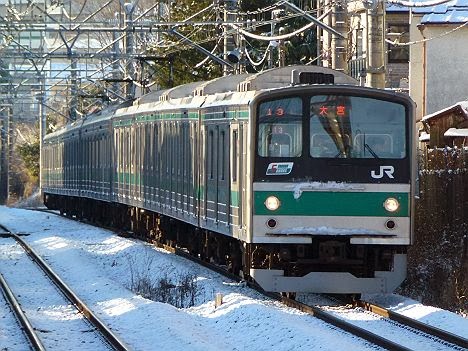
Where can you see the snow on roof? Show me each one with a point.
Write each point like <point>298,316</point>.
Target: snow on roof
<point>424,136</point>
<point>461,105</point>
<point>396,8</point>
<point>455,11</point>
<point>454,132</point>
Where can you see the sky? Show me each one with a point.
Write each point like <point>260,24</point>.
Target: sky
<point>101,266</point>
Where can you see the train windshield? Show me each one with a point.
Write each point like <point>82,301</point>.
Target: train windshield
<point>343,126</point>
<point>339,126</point>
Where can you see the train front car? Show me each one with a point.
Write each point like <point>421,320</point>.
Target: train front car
<point>332,189</point>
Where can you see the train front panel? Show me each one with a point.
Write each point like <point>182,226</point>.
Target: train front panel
<point>332,189</point>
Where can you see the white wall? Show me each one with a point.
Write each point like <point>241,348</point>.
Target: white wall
<point>446,63</point>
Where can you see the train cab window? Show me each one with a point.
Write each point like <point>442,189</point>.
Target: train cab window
<point>280,128</point>
<point>326,145</point>
<point>357,127</point>
<point>380,145</point>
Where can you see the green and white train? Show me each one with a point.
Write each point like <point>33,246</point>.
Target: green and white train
<point>295,177</point>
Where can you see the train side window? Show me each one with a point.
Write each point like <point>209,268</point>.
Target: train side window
<point>171,148</point>
<point>223,154</point>
<point>133,151</point>
<point>235,138</point>
<point>185,148</point>
<point>211,151</point>
<point>154,160</point>
<point>179,146</point>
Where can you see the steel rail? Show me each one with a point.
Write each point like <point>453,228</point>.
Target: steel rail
<point>108,335</point>
<point>28,329</point>
<point>423,327</point>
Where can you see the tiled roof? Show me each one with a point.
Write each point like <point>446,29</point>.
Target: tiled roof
<point>455,11</point>
<point>396,8</point>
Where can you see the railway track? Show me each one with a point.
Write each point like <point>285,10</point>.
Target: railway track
<point>443,335</point>
<point>105,334</point>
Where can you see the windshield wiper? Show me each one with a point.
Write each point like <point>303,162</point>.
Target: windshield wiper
<point>366,146</point>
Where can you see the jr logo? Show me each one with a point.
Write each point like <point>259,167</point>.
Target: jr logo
<point>388,170</point>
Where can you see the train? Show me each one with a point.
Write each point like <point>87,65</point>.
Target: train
<point>295,178</point>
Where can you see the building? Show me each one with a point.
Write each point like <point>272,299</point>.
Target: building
<point>438,74</point>
<point>447,127</point>
<point>362,42</point>
<point>20,46</point>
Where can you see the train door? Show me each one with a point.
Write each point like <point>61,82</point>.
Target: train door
<point>223,186</point>
<point>138,144</point>
<point>156,159</point>
<point>174,167</point>
<point>234,203</point>
<point>243,177</point>
<point>127,160</point>
<point>211,174</point>
<point>184,172</point>
<point>216,191</point>
<point>167,182</point>
<point>202,164</point>
<point>194,169</point>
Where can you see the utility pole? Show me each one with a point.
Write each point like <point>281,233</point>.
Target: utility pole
<point>230,16</point>
<point>115,65</point>
<point>274,45</point>
<point>42,125</point>
<point>3,153</point>
<point>73,89</point>
<point>129,50</point>
<point>376,60</point>
<point>338,43</point>
<point>10,146</point>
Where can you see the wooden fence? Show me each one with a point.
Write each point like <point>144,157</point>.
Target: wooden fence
<point>438,261</point>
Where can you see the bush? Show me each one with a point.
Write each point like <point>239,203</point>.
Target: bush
<point>181,291</point>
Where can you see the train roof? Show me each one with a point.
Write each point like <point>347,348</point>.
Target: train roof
<point>285,76</point>
<point>228,90</point>
<point>231,89</point>
<point>221,85</point>
<point>268,79</point>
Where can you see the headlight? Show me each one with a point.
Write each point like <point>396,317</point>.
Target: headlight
<point>391,204</point>
<point>272,203</point>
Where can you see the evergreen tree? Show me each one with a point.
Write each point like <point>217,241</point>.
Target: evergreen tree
<point>181,59</point>
<point>179,62</point>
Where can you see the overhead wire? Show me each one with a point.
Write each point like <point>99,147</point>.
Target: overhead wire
<point>427,39</point>
<point>280,37</point>
<point>265,23</point>
<point>85,2</point>
<point>202,62</point>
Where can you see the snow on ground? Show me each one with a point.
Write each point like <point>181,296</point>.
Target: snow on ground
<point>99,266</point>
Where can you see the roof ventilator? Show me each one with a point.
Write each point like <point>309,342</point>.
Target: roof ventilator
<point>298,77</point>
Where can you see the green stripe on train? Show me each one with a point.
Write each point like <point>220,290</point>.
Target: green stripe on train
<point>332,204</point>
